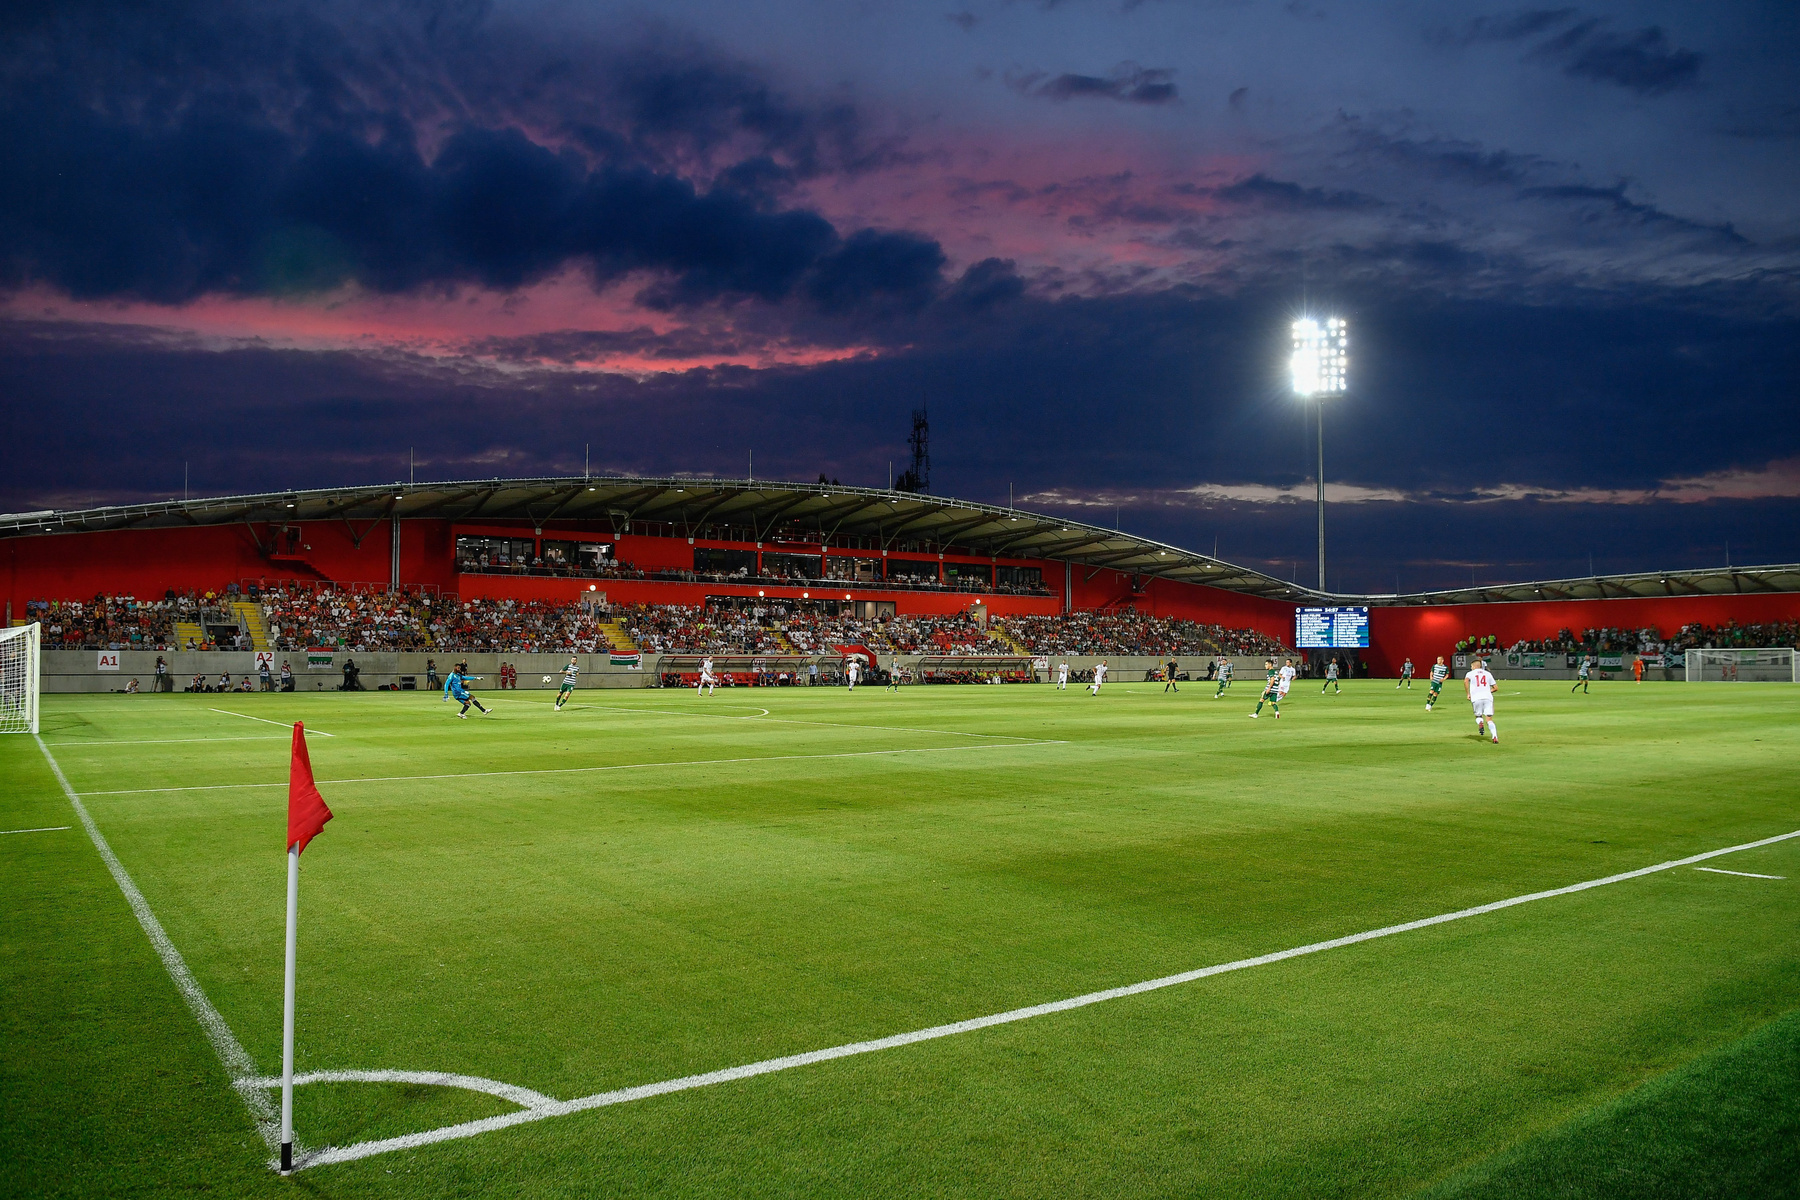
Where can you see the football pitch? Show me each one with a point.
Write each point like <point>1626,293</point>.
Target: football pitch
<point>597,952</point>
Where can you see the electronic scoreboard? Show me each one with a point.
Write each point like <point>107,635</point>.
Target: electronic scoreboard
<point>1345,628</point>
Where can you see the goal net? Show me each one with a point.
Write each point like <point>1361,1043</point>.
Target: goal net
<point>19,679</point>
<point>1768,664</point>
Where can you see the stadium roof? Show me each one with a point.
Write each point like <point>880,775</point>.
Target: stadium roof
<point>833,509</point>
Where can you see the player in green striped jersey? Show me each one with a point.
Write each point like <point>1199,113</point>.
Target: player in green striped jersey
<point>1406,674</point>
<point>1439,673</point>
<point>568,682</point>
<point>1271,694</point>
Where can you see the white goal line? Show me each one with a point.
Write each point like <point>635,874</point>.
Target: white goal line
<point>686,762</point>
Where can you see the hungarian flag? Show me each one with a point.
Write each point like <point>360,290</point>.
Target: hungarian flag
<point>307,813</point>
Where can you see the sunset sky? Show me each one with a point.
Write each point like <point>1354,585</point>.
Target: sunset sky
<point>290,244</point>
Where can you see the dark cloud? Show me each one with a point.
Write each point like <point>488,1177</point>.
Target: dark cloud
<point>115,182</point>
<point>1641,60</point>
<point>1260,190</point>
<point>1502,27</point>
<point>1455,160</point>
<point>1128,83</point>
<point>1614,201</point>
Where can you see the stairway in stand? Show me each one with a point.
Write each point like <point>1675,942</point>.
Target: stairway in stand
<point>249,615</point>
<point>189,631</point>
<point>998,630</point>
<point>617,639</point>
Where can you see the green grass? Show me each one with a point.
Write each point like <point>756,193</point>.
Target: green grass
<point>585,931</point>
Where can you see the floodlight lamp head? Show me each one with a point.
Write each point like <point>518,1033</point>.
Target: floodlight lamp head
<point>1321,359</point>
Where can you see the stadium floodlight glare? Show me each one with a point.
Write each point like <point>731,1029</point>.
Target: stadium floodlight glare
<point>1321,356</point>
<point>1320,367</point>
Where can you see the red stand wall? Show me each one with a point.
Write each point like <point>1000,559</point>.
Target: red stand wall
<point>145,563</point>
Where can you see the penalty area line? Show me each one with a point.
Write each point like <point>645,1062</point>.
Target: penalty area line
<point>359,1150</point>
<point>266,721</point>
<point>237,1061</point>
<point>1745,874</point>
<point>689,762</point>
<point>40,829</point>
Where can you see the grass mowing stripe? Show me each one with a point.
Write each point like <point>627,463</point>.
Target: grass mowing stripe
<point>231,1052</point>
<point>699,762</point>
<point>266,721</point>
<point>676,712</point>
<point>1726,1124</point>
<point>360,1150</point>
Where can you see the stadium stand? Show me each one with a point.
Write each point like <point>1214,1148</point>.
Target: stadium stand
<point>364,621</point>
<point>1650,640</point>
<point>1129,633</point>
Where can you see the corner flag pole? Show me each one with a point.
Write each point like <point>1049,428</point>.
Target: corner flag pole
<point>287,1012</point>
<point>307,815</point>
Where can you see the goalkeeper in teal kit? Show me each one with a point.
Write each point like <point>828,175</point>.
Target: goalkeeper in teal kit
<point>458,689</point>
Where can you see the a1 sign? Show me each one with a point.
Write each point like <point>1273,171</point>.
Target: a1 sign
<point>265,658</point>
<point>109,660</point>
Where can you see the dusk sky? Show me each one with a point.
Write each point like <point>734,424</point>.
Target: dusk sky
<point>289,243</point>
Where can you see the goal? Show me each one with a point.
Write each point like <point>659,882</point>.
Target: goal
<point>1767,664</point>
<point>19,679</point>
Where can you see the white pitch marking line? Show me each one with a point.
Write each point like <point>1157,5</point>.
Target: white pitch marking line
<point>238,1063</point>
<point>272,737</point>
<point>676,712</point>
<point>339,1154</point>
<point>42,829</point>
<point>1745,874</point>
<point>266,721</point>
<point>694,762</point>
<point>523,1097</point>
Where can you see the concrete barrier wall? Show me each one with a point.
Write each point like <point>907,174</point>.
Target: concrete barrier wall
<point>78,670</point>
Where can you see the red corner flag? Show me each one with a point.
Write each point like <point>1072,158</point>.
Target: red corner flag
<point>307,813</point>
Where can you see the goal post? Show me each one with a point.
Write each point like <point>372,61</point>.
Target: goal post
<point>19,678</point>
<point>1765,664</point>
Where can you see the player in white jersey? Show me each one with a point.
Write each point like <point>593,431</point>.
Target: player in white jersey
<point>708,682</point>
<point>852,671</point>
<point>1099,677</point>
<point>1479,686</point>
<point>1062,677</point>
<point>1286,676</point>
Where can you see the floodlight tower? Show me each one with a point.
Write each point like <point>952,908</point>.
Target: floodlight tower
<point>1319,366</point>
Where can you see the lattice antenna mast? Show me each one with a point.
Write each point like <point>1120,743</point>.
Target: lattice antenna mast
<point>920,441</point>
